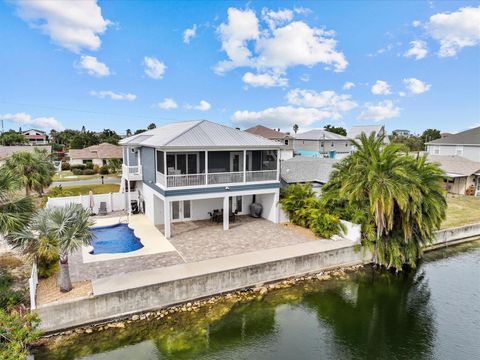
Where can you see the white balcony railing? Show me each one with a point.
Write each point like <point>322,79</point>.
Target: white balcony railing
<point>185,180</point>
<point>262,175</point>
<point>132,172</point>
<point>225,177</point>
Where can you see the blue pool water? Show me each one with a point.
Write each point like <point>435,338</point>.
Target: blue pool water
<point>113,239</point>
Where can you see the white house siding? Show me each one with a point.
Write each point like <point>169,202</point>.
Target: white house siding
<point>153,206</point>
<point>469,152</point>
<point>328,145</point>
<point>98,162</point>
<point>286,154</point>
<point>270,206</point>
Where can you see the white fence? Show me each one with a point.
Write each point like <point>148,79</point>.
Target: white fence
<point>32,283</point>
<point>114,201</point>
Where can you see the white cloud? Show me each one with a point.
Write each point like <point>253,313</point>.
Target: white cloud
<point>154,68</point>
<point>167,104</point>
<point>381,88</point>
<point>348,85</point>
<point>93,66</point>
<point>282,116</point>
<point>455,30</point>
<point>72,25</point>
<point>302,10</point>
<point>380,111</point>
<point>27,119</point>
<point>113,95</point>
<point>202,106</point>
<point>189,34</point>
<point>264,80</point>
<point>305,78</point>
<point>276,18</point>
<point>418,49</point>
<point>416,23</point>
<point>326,100</point>
<point>307,46</point>
<point>416,86</point>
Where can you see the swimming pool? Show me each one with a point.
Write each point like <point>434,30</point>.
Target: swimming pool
<point>112,239</point>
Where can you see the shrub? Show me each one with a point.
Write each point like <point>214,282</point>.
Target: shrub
<point>22,333</point>
<point>65,166</point>
<point>104,170</point>
<point>47,267</point>
<point>96,169</point>
<point>88,172</point>
<point>324,224</point>
<point>59,191</point>
<point>9,297</point>
<point>89,165</point>
<point>77,166</point>
<point>77,172</point>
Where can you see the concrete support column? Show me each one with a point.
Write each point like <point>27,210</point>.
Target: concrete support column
<point>226,213</point>
<point>278,165</point>
<point>276,207</point>
<point>206,167</point>
<point>167,218</point>
<point>244,165</point>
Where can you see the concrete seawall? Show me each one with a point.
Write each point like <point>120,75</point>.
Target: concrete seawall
<point>141,291</point>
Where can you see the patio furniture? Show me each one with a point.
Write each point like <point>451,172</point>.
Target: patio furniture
<point>233,215</point>
<point>102,210</point>
<point>217,215</point>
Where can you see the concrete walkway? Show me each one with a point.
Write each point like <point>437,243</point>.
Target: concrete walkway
<point>183,271</point>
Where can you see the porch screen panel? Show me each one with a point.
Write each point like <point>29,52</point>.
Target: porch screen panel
<point>170,164</point>
<point>160,162</point>
<point>192,163</point>
<point>182,163</point>
<point>269,159</point>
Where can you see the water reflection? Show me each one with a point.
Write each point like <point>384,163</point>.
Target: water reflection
<point>370,315</point>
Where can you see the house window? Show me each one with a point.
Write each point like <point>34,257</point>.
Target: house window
<point>160,162</point>
<point>286,141</point>
<point>179,164</point>
<point>85,162</point>
<point>459,150</point>
<point>333,144</point>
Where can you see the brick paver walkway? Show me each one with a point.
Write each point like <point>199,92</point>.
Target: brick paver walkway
<point>201,240</point>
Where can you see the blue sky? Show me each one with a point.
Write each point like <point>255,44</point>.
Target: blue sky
<point>119,65</point>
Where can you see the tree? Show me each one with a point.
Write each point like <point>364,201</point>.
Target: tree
<point>84,139</point>
<point>109,136</point>
<point>151,126</point>
<point>114,165</point>
<point>33,169</point>
<point>63,230</point>
<point>336,130</point>
<point>139,131</point>
<point>295,128</point>
<point>411,143</point>
<point>430,135</point>
<point>12,137</point>
<point>18,331</point>
<point>15,210</point>
<point>398,199</point>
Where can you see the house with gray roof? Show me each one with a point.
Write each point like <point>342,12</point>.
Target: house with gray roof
<point>185,171</point>
<point>321,143</point>
<point>307,170</point>
<point>285,138</point>
<point>465,144</point>
<point>461,174</point>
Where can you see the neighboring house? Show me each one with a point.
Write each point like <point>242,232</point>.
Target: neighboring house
<point>465,143</point>
<point>379,130</point>
<point>284,138</point>
<point>96,154</point>
<point>461,174</point>
<point>36,137</point>
<point>321,143</point>
<point>401,133</point>
<point>186,170</point>
<point>7,151</point>
<point>307,170</point>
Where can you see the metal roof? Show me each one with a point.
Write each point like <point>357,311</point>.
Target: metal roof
<point>198,134</point>
<point>358,130</point>
<point>319,134</point>
<point>306,169</point>
<point>455,165</point>
<point>467,137</point>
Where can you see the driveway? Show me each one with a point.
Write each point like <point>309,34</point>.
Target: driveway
<point>107,180</point>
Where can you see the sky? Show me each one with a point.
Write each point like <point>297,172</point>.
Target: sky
<point>123,65</point>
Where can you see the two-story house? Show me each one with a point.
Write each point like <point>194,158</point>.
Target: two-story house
<point>322,143</point>
<point>184,171</point>
<point>465,144</point>
<point>36,137</point>
<point>285,138</point>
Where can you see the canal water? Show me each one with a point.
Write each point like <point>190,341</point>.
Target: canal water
<point>432,313</point>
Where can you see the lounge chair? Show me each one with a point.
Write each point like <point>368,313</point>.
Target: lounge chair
<point>102,210</point>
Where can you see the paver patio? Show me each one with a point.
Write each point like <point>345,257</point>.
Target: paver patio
<point>202,240</point>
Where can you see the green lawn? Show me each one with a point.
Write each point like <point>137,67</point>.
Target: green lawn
<point>68,176</point>
<point>462,210</point>
<point>95,188</point>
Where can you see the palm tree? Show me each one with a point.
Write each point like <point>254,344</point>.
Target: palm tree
<point>15,210</point>
<point>34,169</point>
<point>58,231</point>
<point>397,198</point>
<point>295,128</point>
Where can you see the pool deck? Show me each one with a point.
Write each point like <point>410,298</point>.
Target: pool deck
<point>152,239</point>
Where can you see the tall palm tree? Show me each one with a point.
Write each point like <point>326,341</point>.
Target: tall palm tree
<point>56,230</point>
<point>398,199</point>
<point>15,210</point>
<point>34,169</point>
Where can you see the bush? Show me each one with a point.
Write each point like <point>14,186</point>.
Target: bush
<point>104,170</point>
<point>96,169</point>
<point>47,267</point>
<point>324,224</point>
<point>65,166</point>
<point>22,333</point>
<point>77,166</point>
<point>9,297</point>
<point>59,191</point>
<point>77,172</point>
<point>88,172</point>
<point>89,165</point>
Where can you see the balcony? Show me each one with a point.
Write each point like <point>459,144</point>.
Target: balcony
<point>132,173</point>
<point>189,180</point>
